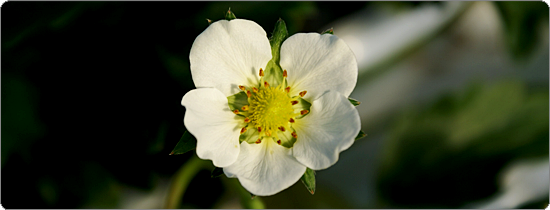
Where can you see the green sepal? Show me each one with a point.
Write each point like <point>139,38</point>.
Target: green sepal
<point>273,73</point>
<point>361,134</point>
<point>328,31</point>
<point>354,102</point>
<point>216,172</point>
<point>230,15</point>
<point>187,143</point>
<point>302,105</point>
<point>237,101</point>
<point>309,180</point>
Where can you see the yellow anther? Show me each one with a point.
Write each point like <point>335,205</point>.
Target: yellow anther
<point>304,112</point>
<point>241,87</point>
<point>258,141</point>
<point>245,108</point>
<point>294,102</point>
<point>243,130</point>
<point>287,89</point>
<point>284,74</point>
<point>291,120</point>
<point>282,128</point>
<point>261,72</point>
<point>246,120</point>
<point>236,111</point>
<point>267,132</point>
<point>303,93</point>
<point>266,84</point>
<point>279,141</point>
<point>255,90</point>
<point>294,135</point>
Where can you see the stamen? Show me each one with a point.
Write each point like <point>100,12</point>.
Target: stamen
<point>266,84</point>
<point>303,93</point>
<point>245,108</point>
<point>284,74</point>
<point>259,129</point>
<point>305,111</point>
<point>243,130</point>
<point>241,87</point>
<point>258,141</point>
<point>294,135</point>
<point>291,120</point>
<point>267,132</point>
<point>236,111</point>
<point>261,72</point>
<point>255,89</point>
<point>287,89</point>
<point>279,141</point>
<point>246,120</point>
<point>292,102</point>
<point>248,94</point>
<point>282,128</point>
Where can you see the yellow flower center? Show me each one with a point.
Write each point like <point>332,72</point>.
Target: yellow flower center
<point>270,109</point>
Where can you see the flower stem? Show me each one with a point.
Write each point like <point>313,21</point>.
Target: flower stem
<point>181,180</point>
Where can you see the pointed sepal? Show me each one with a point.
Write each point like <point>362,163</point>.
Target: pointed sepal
<point>187,143</point>
<point>230,15</point>
<point>309,180</point>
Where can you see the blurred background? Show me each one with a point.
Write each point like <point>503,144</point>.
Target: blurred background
<point>454,101</point>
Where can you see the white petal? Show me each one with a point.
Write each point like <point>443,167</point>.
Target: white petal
<point>329,128</point>
<point>265,169</point>
<point>317,63</point>
<point>216,128</point>
<point>228,54</point>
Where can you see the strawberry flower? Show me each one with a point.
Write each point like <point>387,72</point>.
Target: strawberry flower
<point>265,126</point>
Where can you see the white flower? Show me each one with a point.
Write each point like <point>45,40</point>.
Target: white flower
<point>266,136</point>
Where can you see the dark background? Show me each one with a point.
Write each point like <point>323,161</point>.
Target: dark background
<point>91,108</point>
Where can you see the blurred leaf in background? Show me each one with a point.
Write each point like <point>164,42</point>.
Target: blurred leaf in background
<point>522,22</point>
<point>449,154</point>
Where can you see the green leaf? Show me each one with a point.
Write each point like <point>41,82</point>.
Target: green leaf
<point>230,15</point>
<point>187,143</point>
<point>361,134</point>
<point>309,180</point>
<point>273,73</point>
<point>216,172</point>
<point>354,102</point>
<point>328,31</point>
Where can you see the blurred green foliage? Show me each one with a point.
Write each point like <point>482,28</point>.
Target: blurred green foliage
<point>460,143</point>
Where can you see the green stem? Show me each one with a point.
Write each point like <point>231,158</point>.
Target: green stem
<point>181,180</point>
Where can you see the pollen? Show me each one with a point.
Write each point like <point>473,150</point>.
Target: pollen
<point>266,85</point>
<point>279,141</point>
<point>236,111</point>
<point>255,90</point>
<point>292,102</point>
<point>287,89</point>
<point>303,93</point>
<point>294,135</point>
<point>243,130</point>
<point>245,107</point>
<point>241,87</point>
<point>291,120</point>
<point>284,73</point>
<point>282,129</point>
<point>246,120</point>
<point>303,112</point>
<point>248,94</point>
<point>269,110</point>
<point>261,72</point>
<point>258,141</point>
